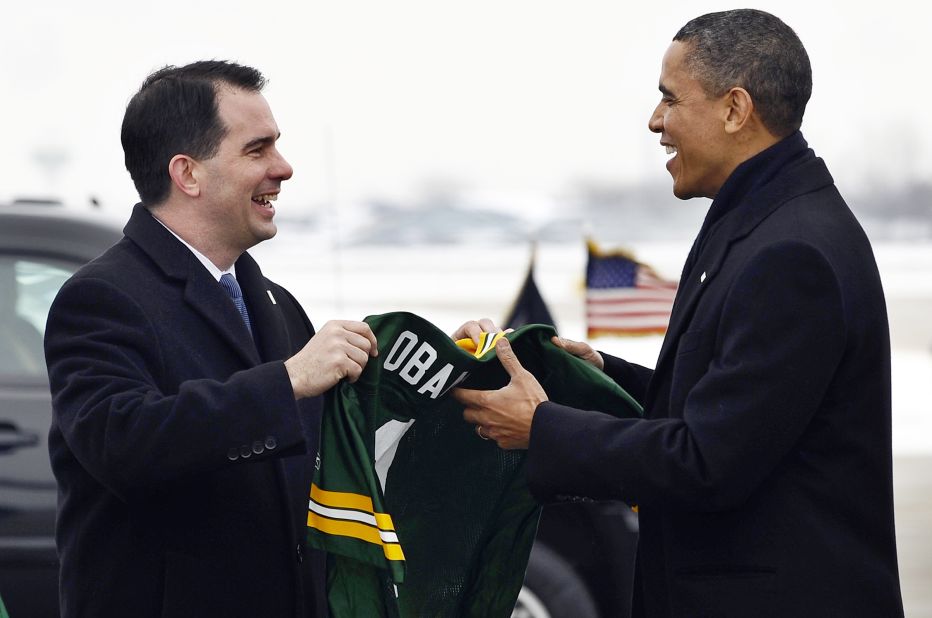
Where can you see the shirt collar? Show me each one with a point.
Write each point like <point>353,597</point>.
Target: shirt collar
<point>212,268</point>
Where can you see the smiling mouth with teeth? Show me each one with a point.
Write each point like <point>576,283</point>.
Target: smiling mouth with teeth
<point>265,199</point>
<point>670,149</point>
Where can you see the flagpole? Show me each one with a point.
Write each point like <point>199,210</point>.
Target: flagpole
<point>333,206</point>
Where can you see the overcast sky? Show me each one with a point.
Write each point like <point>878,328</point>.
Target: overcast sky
<point>513,98</point>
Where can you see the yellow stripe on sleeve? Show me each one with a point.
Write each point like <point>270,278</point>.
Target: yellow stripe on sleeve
<point>384,521</point>
<point>341,499</point>
<point>354,530</point>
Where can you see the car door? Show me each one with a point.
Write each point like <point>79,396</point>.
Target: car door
<point>28,559</point>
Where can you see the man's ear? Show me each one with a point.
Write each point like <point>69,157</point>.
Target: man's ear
<point>738,109</point>
<point>183,172</point>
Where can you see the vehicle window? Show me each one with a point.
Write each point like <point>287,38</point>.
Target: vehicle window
<point>27,288</point>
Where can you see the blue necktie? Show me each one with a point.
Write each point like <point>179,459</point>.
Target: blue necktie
<point>230,284</point>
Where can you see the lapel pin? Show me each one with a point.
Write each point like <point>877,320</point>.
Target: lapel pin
<point>702,278</point>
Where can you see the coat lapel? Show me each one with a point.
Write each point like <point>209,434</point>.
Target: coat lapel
<point>210,300</point>
<point>202,293</point>
<point>741,221</point>
<point>268,323</point>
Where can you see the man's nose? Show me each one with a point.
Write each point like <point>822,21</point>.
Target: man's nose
<point>282,169</point>
<point>655,123</point>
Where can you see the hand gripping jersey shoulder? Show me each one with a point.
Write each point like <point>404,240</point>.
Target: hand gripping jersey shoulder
<point>420,515</point>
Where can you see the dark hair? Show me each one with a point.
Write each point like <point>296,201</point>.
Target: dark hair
<point>755,51</point>
<point>176,112</point>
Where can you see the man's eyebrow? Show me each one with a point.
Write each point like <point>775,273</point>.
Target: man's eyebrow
<point>664,90</point>
<point>261,141</point>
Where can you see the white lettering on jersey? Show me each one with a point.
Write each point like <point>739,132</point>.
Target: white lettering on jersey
<point>415,366</point>
<point>395,358</point>
<point>418,364</point>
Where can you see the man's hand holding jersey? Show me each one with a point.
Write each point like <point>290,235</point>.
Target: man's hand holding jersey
<point>505,415</point>
<point>339,350</point>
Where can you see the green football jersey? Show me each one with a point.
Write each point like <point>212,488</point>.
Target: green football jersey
<point>422,517</point>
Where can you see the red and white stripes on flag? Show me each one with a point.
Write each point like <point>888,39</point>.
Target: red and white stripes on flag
<point>625,297</point>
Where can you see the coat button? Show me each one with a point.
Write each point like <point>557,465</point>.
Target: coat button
<point>233,454</point>
<point>270,442</point>
<point>258,447</point>
<point>245,452</point>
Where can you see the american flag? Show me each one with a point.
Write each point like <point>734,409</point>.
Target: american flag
<point>624,297</point>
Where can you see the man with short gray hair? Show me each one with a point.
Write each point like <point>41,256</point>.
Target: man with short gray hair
<point>762,468</point>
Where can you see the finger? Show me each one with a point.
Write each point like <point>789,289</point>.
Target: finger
<point>357,356</point>
<point>467,396</point>
<point>359,341</point>
<point>470,330</point>
<point>575,348</point>
<point>488,325</point>
<point>361,328</point>
<point>352,373</point>
<point>352,366</point>
<point>474,332</point>
<point>472,415</point>
<point>506,355</point>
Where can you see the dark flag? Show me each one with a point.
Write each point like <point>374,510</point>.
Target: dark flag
<point>529,307</point>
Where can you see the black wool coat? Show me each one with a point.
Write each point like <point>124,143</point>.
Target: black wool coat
<point>182,458</point>
<point>763,468</point>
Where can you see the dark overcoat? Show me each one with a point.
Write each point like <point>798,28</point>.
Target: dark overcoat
<point>181,455</point>
<point>763,471</point>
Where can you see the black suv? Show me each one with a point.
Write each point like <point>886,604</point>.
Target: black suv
<point>41,244</point>
<point>580,566</point>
